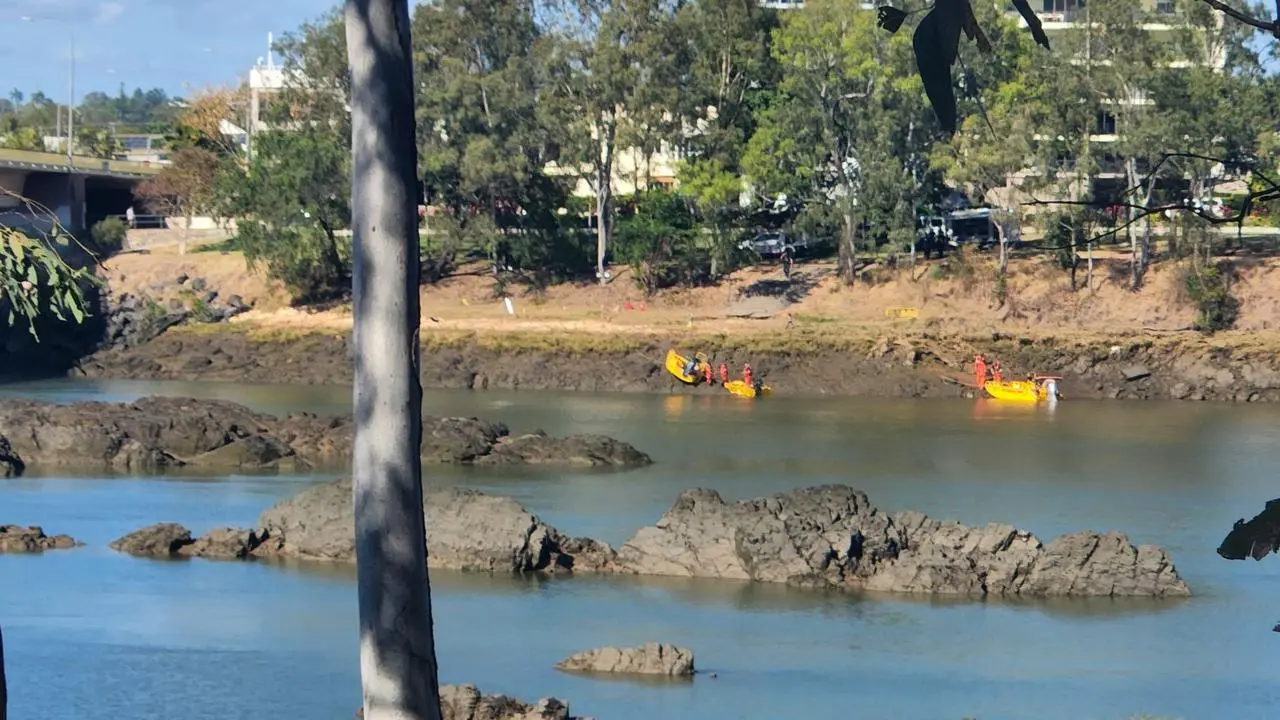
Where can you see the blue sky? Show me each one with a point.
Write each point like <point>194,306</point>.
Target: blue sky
<point>172,44</point>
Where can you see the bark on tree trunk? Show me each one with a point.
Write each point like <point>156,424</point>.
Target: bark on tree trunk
<point>4,687</point>
<point>397,649</point>
<point>844,263</point>
<point>604,197</point>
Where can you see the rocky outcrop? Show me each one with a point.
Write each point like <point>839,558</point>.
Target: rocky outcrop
<point>648,659</point>
<point>171,540</point>
<point>466,530</point>
<point>134,320</point>
<point>11,464</point>
<point>585,450</point>
<point>831,536</point>
<point>160,432</point>
<point>18,539</point>
<point>144,436</point>
<point>1254,539</point>
<point>466,702</point>
<point>827,536</point>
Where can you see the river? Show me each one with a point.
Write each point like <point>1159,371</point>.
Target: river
<point>94,635</point>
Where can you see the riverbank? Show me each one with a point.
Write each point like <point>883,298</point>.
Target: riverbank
<point>801,361</point>
<point>895,333</point>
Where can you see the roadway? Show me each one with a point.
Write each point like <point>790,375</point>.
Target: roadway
<point>28,161</point>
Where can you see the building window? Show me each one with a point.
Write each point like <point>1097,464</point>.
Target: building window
<point>1164,7</point>
<point>1062,6</point>
<point>1106,123</point>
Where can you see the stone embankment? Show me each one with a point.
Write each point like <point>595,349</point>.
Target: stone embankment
<point>154,433</point>
<point>822,537</point>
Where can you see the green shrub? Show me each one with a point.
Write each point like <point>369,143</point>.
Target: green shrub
<point>1209,290</point>
<point>109,235</point>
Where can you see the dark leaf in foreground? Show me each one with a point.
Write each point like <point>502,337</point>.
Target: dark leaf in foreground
<point>972,31</point>
<point>934,63</point>
<point>1257,538</point>
<point>890,18</point>
<point>1033,22</point>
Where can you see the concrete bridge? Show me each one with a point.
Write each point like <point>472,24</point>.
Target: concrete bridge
<point>79,193</point>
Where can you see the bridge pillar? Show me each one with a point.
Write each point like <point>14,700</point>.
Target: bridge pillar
<point>61,194</point>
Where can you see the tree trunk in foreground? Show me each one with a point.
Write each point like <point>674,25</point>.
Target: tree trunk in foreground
<point>4,688</point>
<point>397,649</point>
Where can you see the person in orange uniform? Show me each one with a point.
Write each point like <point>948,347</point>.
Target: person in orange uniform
<point>996,373</point>
<point>706,372</point>
<point>979,369</point>
<point>746,374</point>
<point>724,373</point>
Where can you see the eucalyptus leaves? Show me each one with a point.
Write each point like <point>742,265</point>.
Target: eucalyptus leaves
<point>34,280</point>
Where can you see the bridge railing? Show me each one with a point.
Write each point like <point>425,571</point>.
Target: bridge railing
<point>144,222</point>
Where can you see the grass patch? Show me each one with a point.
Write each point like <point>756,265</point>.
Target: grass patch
<point>221,246</point>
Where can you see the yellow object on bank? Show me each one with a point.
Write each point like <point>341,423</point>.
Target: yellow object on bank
<point>1018,390</point>
<point>676,363</point>
<point>741,389</point>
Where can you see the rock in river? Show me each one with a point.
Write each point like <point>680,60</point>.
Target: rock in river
<point>828,536</point>
<point>831,536</point>
<point>466,530</point>
<point>648,659</point>
<point>465,702</point>
<point>11,464</point>
<point>18,539</point>
<point>159,432</point>
<point>171,540</point>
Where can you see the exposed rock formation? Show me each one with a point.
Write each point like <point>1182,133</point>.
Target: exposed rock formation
<point>648,659</point>
<point>827,536</point>
<point>158,432</point>
<point>18,539</point>
<point>1254,539</point>
<point>11,464</point>
<point>171,540</point>
<point>831,536</point>
<point>465,702</point>
<point>466,530</point>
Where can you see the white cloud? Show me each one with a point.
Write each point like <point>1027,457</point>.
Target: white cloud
<point>108,12</point>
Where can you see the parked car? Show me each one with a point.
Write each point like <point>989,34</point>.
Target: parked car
<point>770,244</point>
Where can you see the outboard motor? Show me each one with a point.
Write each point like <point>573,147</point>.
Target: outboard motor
<point>1051,390</point>
<point>758,386</point>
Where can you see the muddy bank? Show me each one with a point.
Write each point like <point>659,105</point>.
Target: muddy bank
<point>155,433</point>
<point>820,537</point>
<point>1183,368</point>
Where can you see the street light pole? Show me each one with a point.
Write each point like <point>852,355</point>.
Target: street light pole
<point>71,102</point>
<point>71,90</point>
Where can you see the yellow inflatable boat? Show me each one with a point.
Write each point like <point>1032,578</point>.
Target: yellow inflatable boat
<point>743,390</point>
<point>676,364</point>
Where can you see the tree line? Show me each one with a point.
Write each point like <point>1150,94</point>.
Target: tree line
<point>25,120</point>
<point>815,118</point>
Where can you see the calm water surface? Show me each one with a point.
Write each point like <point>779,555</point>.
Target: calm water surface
<point>91,634</point>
